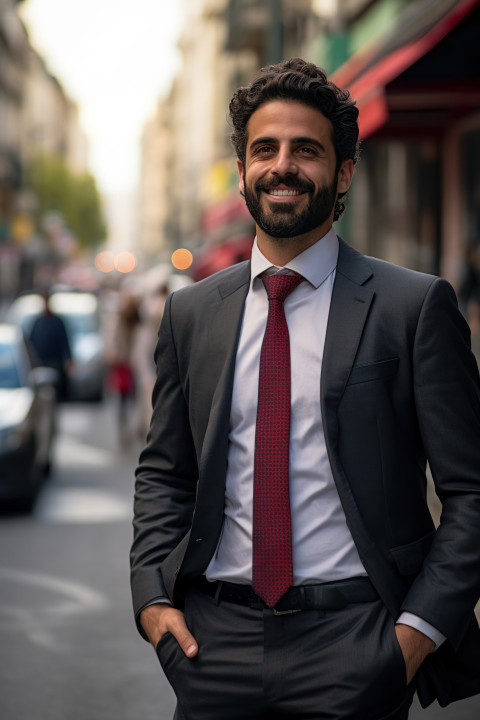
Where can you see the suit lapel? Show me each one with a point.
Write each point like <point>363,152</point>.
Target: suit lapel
<point>225,319</point>
<point>351,300</point>
<point>352,297</point>
<point>224,331</point>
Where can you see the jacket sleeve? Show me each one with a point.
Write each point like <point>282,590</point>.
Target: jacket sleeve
<point>166,476</point>
<point>447,397</point>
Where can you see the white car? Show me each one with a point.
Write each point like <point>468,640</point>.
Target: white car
<point>27,419</point>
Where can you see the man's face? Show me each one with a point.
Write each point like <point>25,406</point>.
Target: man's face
<point>289,178</point>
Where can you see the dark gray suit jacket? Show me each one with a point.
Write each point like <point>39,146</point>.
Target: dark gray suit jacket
<point>399,386</point>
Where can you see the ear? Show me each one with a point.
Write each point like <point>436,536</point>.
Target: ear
<point>345,175</point>
<point>241,172</point>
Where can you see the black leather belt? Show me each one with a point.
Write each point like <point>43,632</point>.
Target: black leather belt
<point>326,596</point>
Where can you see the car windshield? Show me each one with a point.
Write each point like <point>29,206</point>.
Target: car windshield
<point>9,367</point>
<point>78,324</point>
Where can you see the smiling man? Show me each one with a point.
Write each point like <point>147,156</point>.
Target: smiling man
<point>284,563</point>
<point>293,177</point>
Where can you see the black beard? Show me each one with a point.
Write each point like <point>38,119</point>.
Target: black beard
<point>282,220</point>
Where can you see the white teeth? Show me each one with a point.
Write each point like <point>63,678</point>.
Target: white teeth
<point>284,192</point>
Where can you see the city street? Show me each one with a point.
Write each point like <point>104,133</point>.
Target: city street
<point>69,648</point>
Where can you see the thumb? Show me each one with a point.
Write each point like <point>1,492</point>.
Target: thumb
<point>178,627</point>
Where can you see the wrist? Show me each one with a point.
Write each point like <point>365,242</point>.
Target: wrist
<point>151,621</point>
<point>415,647</point>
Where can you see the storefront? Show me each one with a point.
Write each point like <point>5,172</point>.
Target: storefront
<point>415,199</point>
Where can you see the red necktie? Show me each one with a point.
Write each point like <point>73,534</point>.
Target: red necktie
<point>272,531</point>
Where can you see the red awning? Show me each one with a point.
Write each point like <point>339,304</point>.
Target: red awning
<point>367,73</point>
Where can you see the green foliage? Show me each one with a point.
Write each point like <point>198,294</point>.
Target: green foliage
<point>75,196</point>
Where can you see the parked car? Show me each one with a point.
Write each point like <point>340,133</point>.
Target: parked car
<point>27,419</point>
<point>80,314</point>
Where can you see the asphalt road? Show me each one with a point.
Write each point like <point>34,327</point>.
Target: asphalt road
<point>68,646</point>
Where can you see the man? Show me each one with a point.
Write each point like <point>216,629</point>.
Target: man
<point>285,564</point>
<point>49,340</point>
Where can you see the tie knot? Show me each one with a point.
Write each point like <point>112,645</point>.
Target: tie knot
<point>279,287</point>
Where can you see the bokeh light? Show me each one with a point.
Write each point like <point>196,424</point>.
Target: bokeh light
<point>105,261</point>
<point>182,259</point>
<point>125,262</point>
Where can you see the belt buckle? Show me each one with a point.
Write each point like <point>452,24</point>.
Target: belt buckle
<point>297,597</point>
<point>286,612</point>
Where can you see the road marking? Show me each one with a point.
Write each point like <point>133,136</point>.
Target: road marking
<point>69,452</point>
<point>40,624</point>
<point>80,505</point>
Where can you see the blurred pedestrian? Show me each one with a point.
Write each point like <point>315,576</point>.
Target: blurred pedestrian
<point>50,342</point>
<point>151,313</point>
<point>285,563</point>
<point>121,373</point>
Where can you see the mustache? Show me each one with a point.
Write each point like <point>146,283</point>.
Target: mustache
<point>287,181</point>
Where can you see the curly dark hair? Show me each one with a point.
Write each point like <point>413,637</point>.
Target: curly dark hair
<point>304,82</point>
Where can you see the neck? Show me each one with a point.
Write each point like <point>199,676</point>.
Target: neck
<point>279,251</point>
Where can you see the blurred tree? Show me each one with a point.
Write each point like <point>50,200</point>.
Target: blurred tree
<point>74,196</point>
<point>86,219</point>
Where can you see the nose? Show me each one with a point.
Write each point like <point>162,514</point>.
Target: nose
<point>284,163</point>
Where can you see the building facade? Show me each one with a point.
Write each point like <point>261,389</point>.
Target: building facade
<point>36,117</point>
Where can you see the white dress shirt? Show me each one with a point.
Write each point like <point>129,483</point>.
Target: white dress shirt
<point>323,547</point>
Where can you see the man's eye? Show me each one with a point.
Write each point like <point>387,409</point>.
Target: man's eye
<point>306,150</point>
<point>264,149</point>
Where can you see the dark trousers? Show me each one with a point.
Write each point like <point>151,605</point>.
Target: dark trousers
<point>317,665</point>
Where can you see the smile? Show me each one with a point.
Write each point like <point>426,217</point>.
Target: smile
<point>285,193</point>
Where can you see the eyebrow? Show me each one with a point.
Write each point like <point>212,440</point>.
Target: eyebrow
<point>295,141</point>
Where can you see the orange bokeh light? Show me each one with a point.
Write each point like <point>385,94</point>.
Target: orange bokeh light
<point>105,261</point>
<point>125,262</point>
<point>182,259</point>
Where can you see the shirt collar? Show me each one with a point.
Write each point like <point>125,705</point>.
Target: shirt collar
<point>315,263</point>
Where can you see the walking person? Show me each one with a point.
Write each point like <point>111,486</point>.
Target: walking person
<point>150,313</point>
<point>285,563</point>
<point>49,339</point>
<point>121,376</point>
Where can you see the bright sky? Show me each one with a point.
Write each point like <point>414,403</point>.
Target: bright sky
<point>115,59</point>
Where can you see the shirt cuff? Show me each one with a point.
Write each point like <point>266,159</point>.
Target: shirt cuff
<point>422,626</point>
<point>157,601</point>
